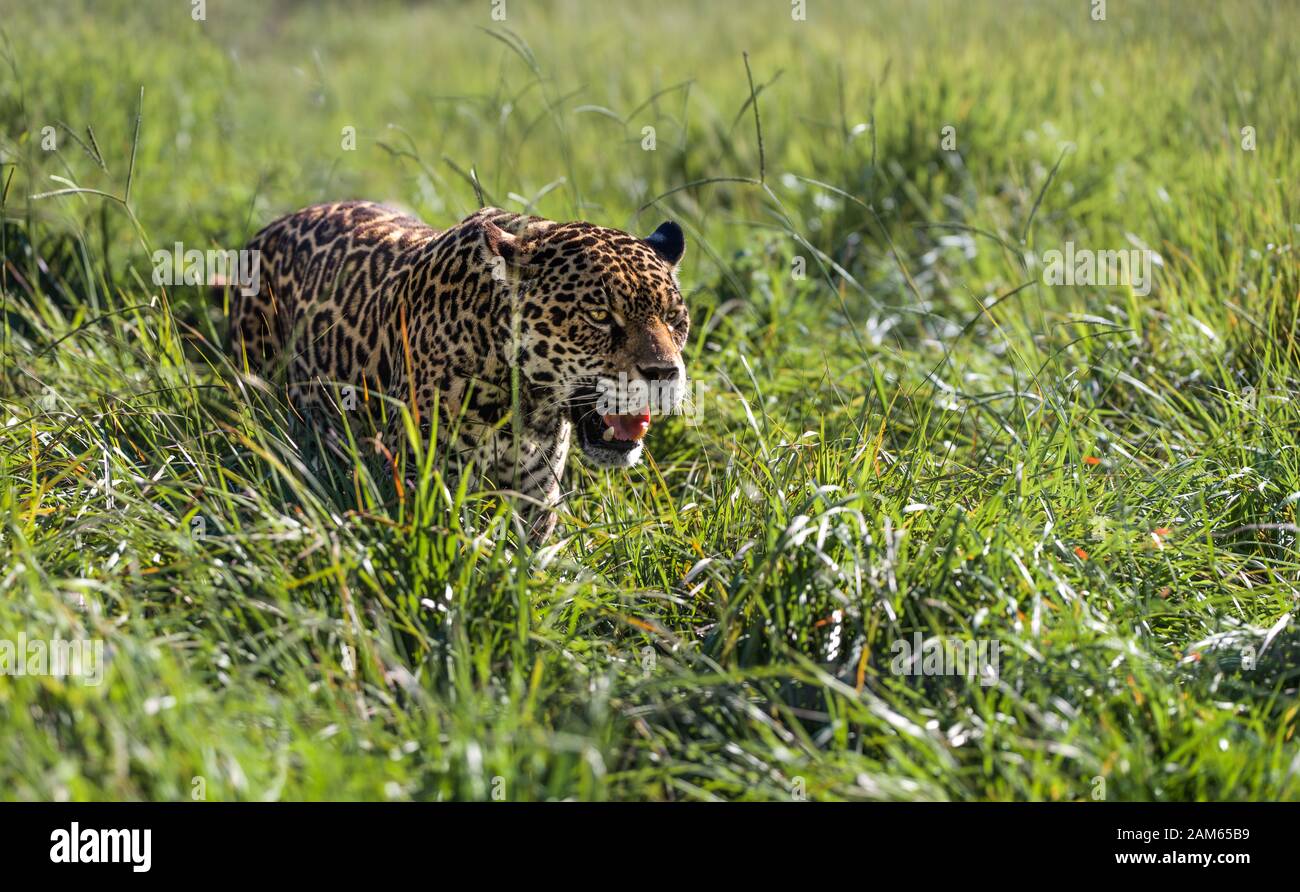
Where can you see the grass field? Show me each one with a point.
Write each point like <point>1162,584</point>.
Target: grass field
<point>905,430</point>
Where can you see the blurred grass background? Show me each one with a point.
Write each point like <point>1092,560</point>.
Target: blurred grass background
<point>918,435</point>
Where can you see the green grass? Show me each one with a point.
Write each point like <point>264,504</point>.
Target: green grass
<point>904,440</point>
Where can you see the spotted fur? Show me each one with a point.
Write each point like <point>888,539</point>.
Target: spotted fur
<point>358,295</point>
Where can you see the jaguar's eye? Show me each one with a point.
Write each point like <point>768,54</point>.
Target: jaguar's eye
<point>600,317</point>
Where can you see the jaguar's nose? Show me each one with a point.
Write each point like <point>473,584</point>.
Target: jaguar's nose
<point>659,371</point>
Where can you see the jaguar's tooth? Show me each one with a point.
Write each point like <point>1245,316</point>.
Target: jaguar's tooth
<point>608,435</point>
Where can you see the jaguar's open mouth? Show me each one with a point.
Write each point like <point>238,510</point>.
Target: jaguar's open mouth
<point>608,441</point>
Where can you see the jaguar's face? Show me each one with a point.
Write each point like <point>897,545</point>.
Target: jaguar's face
<point>603,328</point>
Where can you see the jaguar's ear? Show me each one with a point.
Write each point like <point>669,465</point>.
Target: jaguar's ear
<point>499,249</point>
<point>498,242</point>
<point>668,242</point>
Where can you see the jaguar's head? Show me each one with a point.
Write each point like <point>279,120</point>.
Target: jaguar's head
<point>601,324</point>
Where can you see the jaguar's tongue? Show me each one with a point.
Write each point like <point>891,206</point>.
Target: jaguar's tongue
<point>627,427</point>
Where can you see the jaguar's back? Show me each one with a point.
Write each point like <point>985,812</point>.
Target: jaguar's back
<point>328,276</point>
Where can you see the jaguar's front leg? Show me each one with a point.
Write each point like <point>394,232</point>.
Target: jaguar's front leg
<point>534,468</point>
<point>541,521</point>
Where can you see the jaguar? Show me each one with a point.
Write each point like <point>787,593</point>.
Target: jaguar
<point>506,336</point>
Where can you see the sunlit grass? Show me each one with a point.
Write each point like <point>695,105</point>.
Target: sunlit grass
<point>902,429</point>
